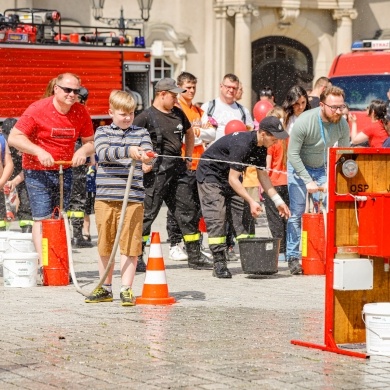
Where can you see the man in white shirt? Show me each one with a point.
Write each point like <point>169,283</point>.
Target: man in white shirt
<point>225,108</point>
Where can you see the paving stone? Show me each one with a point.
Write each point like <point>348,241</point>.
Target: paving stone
<point>221,334</point>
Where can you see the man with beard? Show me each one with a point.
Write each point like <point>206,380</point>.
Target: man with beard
<point>314,132</point>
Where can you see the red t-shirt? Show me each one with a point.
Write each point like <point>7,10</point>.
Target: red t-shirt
<point>376,134</point>
<point>52,131</point>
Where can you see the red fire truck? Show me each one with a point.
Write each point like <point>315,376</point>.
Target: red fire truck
<point>35,47</point>
<point>364,74</point>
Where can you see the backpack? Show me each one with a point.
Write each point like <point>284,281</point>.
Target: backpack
<point>211,109</point>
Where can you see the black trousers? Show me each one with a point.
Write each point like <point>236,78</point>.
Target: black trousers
<point>24,209</point>
<point>277,224</point>
<point>173,229</point>
<point>78,198</point>
<point>221,205</point>
<point>171,183</point>
<point>23,214</point>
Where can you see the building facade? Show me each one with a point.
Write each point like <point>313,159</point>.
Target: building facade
<point>277,43</point>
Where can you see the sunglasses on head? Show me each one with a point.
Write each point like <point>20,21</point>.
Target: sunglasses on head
<point>69,90</point>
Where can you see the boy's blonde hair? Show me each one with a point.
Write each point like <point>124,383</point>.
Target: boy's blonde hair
<point>121,100</point>
<point>277,111</point>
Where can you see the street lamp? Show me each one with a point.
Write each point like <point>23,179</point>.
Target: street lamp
<point>144,5</point>
<point>97,8</point>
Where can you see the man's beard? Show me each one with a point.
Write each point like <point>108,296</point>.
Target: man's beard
<point>334,118</point>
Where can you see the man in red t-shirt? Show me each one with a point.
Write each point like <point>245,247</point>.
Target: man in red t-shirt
<point>46,132</point>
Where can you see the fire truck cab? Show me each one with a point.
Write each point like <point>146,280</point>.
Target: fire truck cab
<point>35,47</point>
<point>364,75</point>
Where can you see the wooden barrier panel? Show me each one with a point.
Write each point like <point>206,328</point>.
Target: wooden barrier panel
<point>343,309</point>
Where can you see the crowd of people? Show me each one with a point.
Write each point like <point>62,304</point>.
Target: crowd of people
<point>198,170</point>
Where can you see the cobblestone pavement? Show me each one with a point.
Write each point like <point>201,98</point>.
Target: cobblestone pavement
<point>221,334</point>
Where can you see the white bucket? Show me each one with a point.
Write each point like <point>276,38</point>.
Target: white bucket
<point>20,242</point>
<point>4,240</point>
<point>20,269</point>
<point>4,243</point>
<point>376,316</point>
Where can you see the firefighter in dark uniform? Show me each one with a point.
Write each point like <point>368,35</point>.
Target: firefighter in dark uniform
<point>23,214</point>
<point>167,179</point>
<point>223,197</point>
<point>76,209</point>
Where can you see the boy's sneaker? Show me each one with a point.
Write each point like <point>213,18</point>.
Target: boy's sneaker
<point>100,294</point>
<point>294,266</point>
<point>127,297</point>
<point>177,254</point>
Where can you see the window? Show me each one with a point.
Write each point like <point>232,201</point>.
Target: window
<point>360,90</point>
<point>160,69</point>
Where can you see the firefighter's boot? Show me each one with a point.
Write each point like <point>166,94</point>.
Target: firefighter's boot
<point>220,269</point>
<point>141,266</point>
<point>196,259</point>
<point>27,229</point>
<point>78,240</point>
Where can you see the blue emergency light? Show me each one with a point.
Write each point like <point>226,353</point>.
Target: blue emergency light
<point>379,44</point>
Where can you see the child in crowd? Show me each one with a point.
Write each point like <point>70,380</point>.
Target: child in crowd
<point>6,169</point>
<point>277,165</point>
<point>376,133</point>
<point>116,146</point>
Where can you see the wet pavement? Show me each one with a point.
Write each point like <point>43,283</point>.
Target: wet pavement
<point>221,334</point>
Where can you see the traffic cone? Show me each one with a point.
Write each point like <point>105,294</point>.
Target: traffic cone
<point>155,290</point>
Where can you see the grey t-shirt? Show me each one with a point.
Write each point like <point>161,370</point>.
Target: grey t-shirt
<point>306,145</point>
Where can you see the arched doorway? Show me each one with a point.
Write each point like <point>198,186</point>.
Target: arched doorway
<point>280,63</point>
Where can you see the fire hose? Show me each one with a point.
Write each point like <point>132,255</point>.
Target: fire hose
<point>120,224</point>
<point>117,237</point>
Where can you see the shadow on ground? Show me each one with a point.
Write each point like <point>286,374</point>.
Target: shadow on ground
<point>189,295</point>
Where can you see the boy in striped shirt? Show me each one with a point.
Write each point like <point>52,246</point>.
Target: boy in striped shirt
<point>116,146</point>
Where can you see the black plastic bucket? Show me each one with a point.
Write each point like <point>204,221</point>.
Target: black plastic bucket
<point>259,255</point>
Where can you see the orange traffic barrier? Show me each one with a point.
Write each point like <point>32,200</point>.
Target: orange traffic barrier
<point>155,290</point>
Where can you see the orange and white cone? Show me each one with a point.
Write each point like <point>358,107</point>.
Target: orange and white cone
<point>155,290</point>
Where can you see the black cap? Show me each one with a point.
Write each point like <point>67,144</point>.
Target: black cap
<point>168,84</point>
<point>273,126</point>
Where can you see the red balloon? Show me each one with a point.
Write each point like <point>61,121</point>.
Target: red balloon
<point>261,109</point>
<point>235,125</point>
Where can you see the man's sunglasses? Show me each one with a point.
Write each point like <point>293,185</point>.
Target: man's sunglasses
<point>69,90</point>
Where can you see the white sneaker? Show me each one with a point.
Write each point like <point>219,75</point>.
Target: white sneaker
<point>232,256</point>
<point>205,253</point>
<point>177,254</point>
